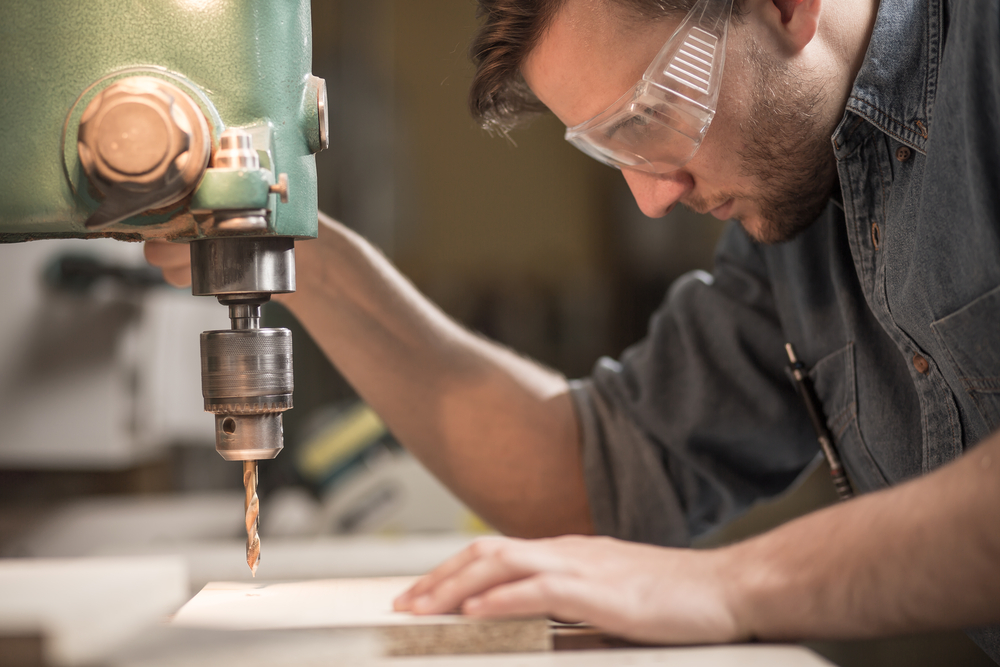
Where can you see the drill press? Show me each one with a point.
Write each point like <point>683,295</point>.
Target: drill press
<point>194,122</point>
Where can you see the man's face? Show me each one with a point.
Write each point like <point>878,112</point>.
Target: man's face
<point>765,160</point>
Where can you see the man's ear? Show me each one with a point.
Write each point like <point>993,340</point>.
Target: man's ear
<point>798,22</point>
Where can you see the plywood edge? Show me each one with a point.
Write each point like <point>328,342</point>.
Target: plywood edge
<point>506,636</point>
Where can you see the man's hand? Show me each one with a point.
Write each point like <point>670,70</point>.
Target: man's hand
<point>641,592</point>
<point>174,259</point>
<point>917,557</point>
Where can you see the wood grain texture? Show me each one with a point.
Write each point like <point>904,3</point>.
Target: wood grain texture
<point>360,604</point>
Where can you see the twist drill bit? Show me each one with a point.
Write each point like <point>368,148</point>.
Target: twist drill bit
<point>252,506</point>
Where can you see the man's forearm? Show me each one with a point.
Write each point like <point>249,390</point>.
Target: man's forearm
<point>924,555</point>
<point>498,429</point>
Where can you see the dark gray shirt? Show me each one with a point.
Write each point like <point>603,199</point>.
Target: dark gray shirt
<point>892,301</point>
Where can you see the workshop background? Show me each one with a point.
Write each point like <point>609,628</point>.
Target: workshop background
<point>527,241</point>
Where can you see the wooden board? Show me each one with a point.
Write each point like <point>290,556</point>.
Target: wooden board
<point>360,604</point>
<point>753,655</point>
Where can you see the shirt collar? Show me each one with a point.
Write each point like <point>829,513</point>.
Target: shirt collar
<point>894,89</point>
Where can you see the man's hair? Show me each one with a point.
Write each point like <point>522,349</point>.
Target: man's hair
<point>499,99</point>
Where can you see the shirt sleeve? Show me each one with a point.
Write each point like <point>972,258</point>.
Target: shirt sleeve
<point>699,419</point>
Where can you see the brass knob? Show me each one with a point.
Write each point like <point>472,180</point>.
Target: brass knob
<point>144,144</point>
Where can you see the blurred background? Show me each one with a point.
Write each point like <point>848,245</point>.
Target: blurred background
<point>105,447</point>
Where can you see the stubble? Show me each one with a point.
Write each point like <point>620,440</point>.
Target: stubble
<point>788,151</point>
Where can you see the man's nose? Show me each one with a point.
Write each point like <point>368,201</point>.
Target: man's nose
<point>656,194</point>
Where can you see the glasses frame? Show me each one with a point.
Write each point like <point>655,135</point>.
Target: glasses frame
<point>676,97</point>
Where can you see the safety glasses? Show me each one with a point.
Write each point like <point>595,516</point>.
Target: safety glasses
<point>658,125</point>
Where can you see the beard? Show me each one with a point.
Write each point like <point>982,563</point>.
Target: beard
<point>788,151</point>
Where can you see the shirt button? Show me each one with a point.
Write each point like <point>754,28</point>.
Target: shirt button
<point>876,236</point>
<point>903,153</point>
<point>920,364</point>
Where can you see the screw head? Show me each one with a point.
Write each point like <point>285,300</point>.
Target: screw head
<point>133,139</point>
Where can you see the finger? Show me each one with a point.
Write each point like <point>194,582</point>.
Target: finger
<point>174,259</point>
<point>166,254</point>
<point>445,569</point>
<point>561,595</point>
<point>512,561</point>
<point>177,276</point>
<point>474,551</point>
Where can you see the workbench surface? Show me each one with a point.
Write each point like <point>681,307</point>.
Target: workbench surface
<point>757,655</point>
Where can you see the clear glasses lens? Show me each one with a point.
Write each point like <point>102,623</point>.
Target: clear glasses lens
<point>659,124</point>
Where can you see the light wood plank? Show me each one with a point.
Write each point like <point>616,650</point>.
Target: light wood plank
<point>361,604</point>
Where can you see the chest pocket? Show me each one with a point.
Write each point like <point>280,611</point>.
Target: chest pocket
<point>971,336</point>
<point>835,380</point>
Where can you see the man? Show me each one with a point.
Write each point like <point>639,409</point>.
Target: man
<point>866,137</point>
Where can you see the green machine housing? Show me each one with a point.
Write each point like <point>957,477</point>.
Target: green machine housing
<point>242,63</point>
<point>188,120</point>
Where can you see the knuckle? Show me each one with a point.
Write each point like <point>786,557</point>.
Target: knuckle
<point>548,585</point>
<point>478,548</point>
<point>484,546</point>
<point>505,555</point>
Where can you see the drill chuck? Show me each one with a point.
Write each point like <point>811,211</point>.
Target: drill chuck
<point>247,382</point>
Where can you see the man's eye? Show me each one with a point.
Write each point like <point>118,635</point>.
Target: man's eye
<point>638,121</point>
<point>633,123</point>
